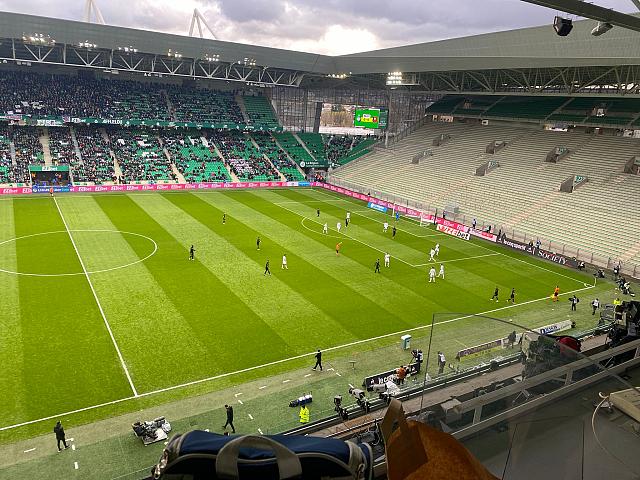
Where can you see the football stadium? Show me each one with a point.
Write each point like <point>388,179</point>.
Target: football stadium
<point>412,262</point>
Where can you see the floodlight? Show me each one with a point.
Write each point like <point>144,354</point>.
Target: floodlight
<point>601,28</point>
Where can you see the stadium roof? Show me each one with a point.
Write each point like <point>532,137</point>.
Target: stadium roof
<point>536,47</point>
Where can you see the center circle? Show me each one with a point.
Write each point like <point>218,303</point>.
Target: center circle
<point>153,249</point>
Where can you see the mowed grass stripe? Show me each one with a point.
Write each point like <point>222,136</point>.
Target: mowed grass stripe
<point>390,306</point>
<point>68,354</point>
<point>408,247</point>
<point>357,316</point>
<point>453,295</point>
<point>538,264</point>
<point>222,321</point>
<point>230,253</point>
<point>512,271</point>
<point>11,344</point>
<point>138,309</point>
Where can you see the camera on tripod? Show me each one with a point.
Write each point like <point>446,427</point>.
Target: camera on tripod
<point>339,409</point>
<point>361,399</point>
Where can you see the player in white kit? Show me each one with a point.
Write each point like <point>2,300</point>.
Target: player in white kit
<point>338,226</point>
<point>441,273</point>
<point>385,227</point>
<point>284,262</point>
<point>437,249</point>
<point>325,229</point>
<point>387,258</point>
<point>431,255</point>
<point>432,275</point>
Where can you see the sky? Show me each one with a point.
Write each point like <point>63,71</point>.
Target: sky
<point>332,27</point>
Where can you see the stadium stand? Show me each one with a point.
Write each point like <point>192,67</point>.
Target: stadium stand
<point>242,156</point>
<point>277,156</point>
<point>61,146</point>
<point>28,146</point>
<point>96,162</point>
<point>6,162</point>
<point>523,194</point>
<point>315,144</point>
<point>140,156</point>
<point>260,112</point>
<point>196,161</point>
<point>28,93</point>
<point>202,105</point>
<point>295,150</point>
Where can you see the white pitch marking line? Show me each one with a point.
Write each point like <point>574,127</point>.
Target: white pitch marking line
<point>351,386</point>
<point>491,250</point>
<point>277,362</point>
<point>240,402</point>
<point>30,450</point>
<point>330,369</point>
<point>95,296</point>
<point>238,394</point>
<point>251,416</point>
<point>311,201</point>
<point>155,249</point>
<point>359,213</point>
<point>262,387</point>
<point>459,342</point>
<point>338,374</point>
<point>456,259</point>
<point>75,465</point>
<point>286,381</point>
<point>308,375</point>
<point>344,234</point>
<point>73,447</point>
<point>260,432</point>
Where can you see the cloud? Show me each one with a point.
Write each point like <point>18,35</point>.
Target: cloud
<point>328,26</point>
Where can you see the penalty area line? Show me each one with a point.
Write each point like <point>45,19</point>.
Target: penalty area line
<point>284,360</point>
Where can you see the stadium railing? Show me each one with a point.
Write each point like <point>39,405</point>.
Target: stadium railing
<point>588,256</point>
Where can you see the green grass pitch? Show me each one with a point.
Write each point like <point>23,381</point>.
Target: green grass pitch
<point>144,319</point>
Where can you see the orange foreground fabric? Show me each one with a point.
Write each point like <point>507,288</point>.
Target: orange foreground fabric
<point>418,451</point>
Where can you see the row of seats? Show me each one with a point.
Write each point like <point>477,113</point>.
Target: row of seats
<point>38,94</point>
<point>522,194</point>
<point>140,156</point>
<point>582,110</point>
<point>243,157</point>
<point>194,158</point>
<point>259,111</point>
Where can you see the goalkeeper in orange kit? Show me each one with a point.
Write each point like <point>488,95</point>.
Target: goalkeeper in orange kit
<point>556,292</point>
<point>338,245</point>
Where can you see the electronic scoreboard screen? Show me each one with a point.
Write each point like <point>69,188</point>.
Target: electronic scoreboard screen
<point>54,178</point>
<point>373,118</point>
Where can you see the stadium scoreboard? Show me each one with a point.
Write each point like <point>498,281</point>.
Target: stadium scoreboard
<point>46,178</point>
<point>374,118</point>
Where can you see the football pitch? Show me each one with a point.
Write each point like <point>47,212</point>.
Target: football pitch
<point>100,305</point>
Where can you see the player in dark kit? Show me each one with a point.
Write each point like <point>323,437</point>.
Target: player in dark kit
<point>317,212</point>
<point>318,360</point>
<point>393,232</point>
<point>266,268</point>
<point>377,270</point>
<point>258,243</point>
<point>512,297</point>
<point>495,295</point>
<point>192,252</point>
<point>224,218</point>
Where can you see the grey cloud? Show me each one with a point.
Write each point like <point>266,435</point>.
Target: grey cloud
<point>266,22</point>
